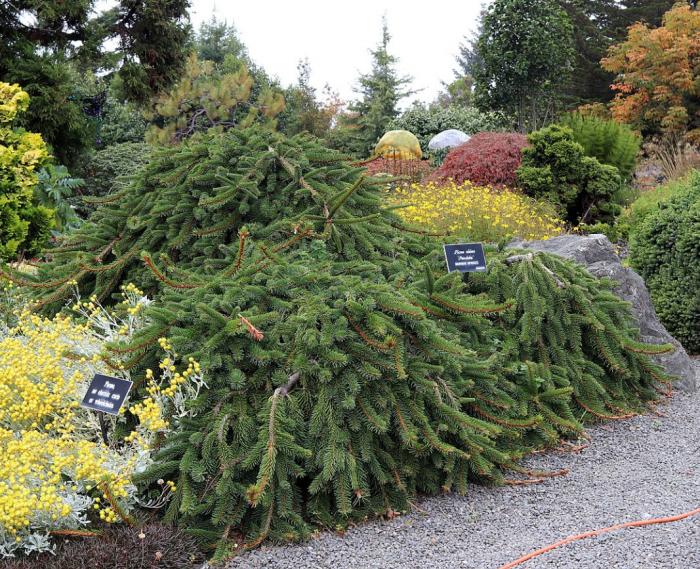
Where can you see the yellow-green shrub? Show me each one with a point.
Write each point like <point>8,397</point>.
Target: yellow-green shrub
<point>481,213</point>
<point>24,225</point>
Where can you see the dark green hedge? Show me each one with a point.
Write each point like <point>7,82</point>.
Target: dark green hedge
<point>665,249</point>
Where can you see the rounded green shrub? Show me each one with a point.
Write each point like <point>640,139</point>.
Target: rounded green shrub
<point>665,249</point>
<point>648,203</point>
<point>555,167</point>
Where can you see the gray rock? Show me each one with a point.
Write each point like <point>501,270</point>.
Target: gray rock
<point>448,139</point>
<point>597,254</point>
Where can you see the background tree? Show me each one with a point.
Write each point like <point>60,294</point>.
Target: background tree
<point>215,40</point>
<point>593,23</point>
<point>205,98</point>
<point>521,70</point>
<point>459,92</point>
<point>380,90</point>
<point>57,103</point>
<point>650,12</point>
<point>46,46</point>
<point>468,58</point>
<point>658,85</point>
<point>219,43</point>
<point>597,25</point>
<point>304,112</point>
<point>152,43</point>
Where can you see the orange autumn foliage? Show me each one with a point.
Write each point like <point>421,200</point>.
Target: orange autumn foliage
<point>658,74</point>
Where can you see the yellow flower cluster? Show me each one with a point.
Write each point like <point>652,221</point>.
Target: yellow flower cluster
<point>480,213</point>
<point>46,459</point>
<point>150,411</point>
<point>55,468</point>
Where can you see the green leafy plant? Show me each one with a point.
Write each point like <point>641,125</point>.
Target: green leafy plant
<point>55,188</point>
<point>425,122</point>
<point>609,141</point>
<point>665,249</point>
<point>555,167</point>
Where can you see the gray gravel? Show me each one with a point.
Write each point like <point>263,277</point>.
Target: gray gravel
<point>640,468</point>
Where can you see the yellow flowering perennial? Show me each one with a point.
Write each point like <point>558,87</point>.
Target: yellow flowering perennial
<point>480,213</point>
<point>56,473</point>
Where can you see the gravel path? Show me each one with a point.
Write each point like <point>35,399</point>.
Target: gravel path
<point>640,468</point>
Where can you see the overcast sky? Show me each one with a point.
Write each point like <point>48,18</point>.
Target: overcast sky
<point>337,36</point>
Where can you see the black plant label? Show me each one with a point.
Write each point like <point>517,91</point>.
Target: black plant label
<point>465,257</point>
<point>106,394</point>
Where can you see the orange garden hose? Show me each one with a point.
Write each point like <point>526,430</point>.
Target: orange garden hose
<point>598,532</point>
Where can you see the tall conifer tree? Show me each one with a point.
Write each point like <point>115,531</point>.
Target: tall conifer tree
<point>46,46</point>
<point>380,92</point>
<point>519,69</point>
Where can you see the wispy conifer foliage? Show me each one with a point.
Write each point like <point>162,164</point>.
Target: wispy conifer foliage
<point>346,369</point>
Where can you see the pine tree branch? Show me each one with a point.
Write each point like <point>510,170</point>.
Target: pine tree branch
<point>290,170</point>
<point>107,249</point>
<point>530,257</point>
<point>284,390</point>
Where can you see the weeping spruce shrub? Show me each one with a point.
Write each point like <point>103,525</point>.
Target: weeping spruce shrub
<point>665,250</point>
<point>609,141</point>
<point>346,370</point>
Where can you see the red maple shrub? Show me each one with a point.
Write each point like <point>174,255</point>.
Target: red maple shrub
<point>488,159</point>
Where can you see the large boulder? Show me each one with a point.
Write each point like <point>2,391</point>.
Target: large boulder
<point>448,139</point>
<point>598,255</point>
